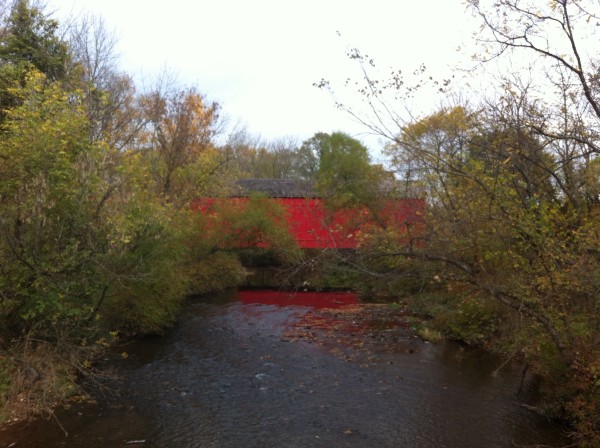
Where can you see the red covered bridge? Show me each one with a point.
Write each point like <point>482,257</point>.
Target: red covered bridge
<point>313,225</point>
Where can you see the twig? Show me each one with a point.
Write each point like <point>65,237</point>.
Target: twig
<point>52,413</point>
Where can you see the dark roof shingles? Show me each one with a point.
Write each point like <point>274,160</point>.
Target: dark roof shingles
<point>276,188</point>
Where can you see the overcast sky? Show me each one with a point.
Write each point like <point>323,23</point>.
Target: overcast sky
<point>260,58</point>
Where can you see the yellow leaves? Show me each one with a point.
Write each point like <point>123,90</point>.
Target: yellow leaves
<point>177,138</point>
<point>450,121</point>
<point>102,342</point>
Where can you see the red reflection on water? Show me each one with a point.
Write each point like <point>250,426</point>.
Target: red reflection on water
<point>307,299</point>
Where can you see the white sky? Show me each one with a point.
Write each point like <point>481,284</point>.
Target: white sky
<point>260,58</point>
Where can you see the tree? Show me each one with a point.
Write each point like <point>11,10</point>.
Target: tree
<point>96,235</point>
<point>309,155</point>
<point>254,158</point>
<point>110,96</point>
<point>177,140</point>
<point>342,169</point>
<point>500,223</point>
<point>86,248</point>
<point>30,39</point>
<point>501,229</point>
<point>29,42</point>
<point>512,193</point>
<point>566,122</point>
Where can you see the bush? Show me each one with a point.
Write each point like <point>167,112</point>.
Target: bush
<point>463,317</point>
<point>216,272</point>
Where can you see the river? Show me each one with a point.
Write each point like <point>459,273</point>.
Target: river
<point>261,369</point>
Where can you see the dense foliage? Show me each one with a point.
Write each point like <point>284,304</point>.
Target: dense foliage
<point>97,238</point>
<point>509,256</point>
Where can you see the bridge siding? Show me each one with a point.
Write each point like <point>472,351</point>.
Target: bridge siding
<point>314,227</point>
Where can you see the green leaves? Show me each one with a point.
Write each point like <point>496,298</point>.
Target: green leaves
<point>29,44</point>
<point>522,215</point>
<point>345,177</point>
<point>81,234</point>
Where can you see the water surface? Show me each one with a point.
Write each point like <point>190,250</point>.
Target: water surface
<point>238,371</point>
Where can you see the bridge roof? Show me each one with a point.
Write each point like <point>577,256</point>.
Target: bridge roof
<point>276,188</point>
<point>297,188</point>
